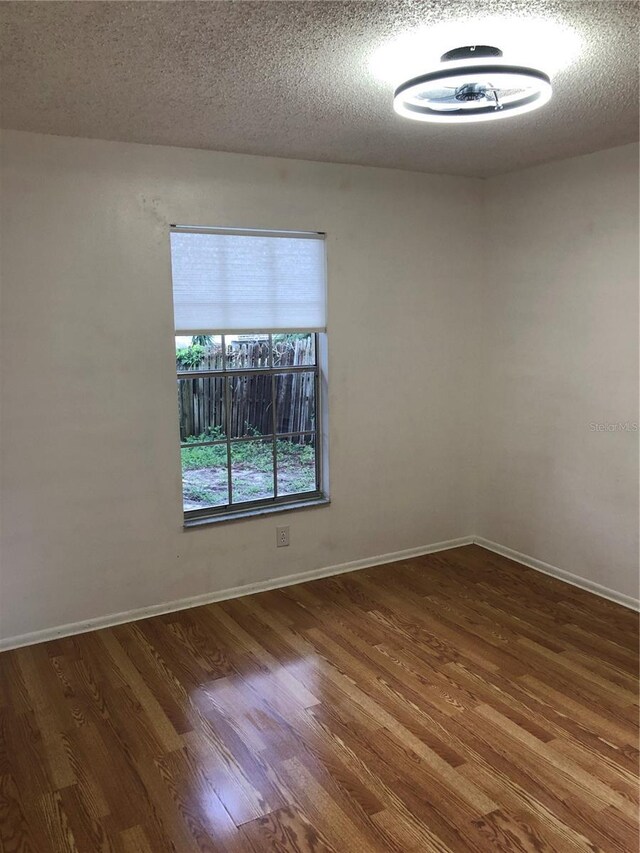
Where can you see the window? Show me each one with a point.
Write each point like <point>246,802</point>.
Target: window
<point>249,312</point>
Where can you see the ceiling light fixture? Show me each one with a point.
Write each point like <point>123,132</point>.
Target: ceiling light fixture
<point>472,84</point>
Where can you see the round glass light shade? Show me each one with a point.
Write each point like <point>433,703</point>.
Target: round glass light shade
<point>475,92</point>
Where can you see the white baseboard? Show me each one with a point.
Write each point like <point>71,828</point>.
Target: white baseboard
<point>288,580</point>
<point>220,595</point>
<point>561,574</point>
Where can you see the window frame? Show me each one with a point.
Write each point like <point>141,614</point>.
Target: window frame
<point>226,374</point>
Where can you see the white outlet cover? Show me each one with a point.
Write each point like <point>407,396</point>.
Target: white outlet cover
<point>282,537</point>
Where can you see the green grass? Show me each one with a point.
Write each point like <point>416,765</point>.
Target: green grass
<point>213,456</point>
<point>258,454</point>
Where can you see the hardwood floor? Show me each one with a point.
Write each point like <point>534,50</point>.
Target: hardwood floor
<point>455,702</point>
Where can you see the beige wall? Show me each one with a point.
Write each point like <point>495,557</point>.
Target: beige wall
<point>479,328</point>
<point>560,344</point>
<point>91,512</point>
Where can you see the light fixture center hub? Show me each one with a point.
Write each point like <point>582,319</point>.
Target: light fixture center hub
<point>471,92</point>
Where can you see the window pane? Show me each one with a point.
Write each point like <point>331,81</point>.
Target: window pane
<point>201,408</point>
<point>204,476</point>
<point>294,349</point>
<point>246,351</point>
<point>200,352</point>
<point>251,470</point>
<point>251,405</point>
<point>295,402</point>
<point>296,464</point>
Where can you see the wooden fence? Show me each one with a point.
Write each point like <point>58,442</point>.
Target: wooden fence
<point>201,399</point>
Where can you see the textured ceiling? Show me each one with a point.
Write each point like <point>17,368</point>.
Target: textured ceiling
<point>303,79</point>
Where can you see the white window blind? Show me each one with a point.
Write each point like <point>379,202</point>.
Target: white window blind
<point>237,281</point>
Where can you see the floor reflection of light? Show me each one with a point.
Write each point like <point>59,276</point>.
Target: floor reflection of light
<point>226,789</point>
<point>224,792</point>
<point>302,669</point>
<point>219,820</point>
<point>305,671</point>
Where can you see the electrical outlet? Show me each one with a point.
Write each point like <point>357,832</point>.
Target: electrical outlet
<point>282,537</point>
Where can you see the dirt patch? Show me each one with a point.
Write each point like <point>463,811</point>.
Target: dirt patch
<point>204,487</point>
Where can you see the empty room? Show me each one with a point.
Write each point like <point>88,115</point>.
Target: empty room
<point>319,406</point>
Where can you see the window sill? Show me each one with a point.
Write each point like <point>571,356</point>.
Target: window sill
<point>253,512</point>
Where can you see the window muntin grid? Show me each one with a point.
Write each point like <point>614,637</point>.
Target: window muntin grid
<point>275,374</point>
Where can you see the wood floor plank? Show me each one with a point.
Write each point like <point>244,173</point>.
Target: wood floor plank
<point>134,840</point>
<point>16,832</point>
<point>89,832</point>
<point>315,800</point>
<point>285,831</point>
<point>543,753</point>
<point>402,835</point>
<point>451,703</point>
<point>58,826</point>
<point>157,718</point>
<point>506,831</point>
<point>564,828</point>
